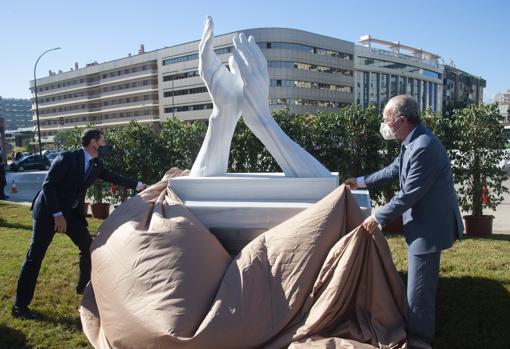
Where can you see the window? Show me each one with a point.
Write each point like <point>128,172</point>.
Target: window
<point>398,66</point>
<point>306,102</point>
<point>185,108</point>
<point>181,59</point>
<point>306,48</point>
<point>180,76</point>
<point>185,92</point>
<point>309,67</point>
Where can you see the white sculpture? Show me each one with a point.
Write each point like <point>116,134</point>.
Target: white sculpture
<point>244,90</point>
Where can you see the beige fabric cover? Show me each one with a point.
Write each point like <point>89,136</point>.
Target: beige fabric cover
<point>161,280</point>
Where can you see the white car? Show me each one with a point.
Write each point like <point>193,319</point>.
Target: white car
<point>505,163</point>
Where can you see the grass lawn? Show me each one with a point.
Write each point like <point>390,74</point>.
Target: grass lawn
<point>473,296</point>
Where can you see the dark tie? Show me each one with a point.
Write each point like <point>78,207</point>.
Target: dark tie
<point>402,154</point>
<point>89,170</point>
<point>85,178</point>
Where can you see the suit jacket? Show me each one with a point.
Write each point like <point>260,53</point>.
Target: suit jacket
<point>427,200</point>
<point>65,185</point>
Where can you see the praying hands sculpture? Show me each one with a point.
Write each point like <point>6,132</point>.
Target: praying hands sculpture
<point>244,90</point>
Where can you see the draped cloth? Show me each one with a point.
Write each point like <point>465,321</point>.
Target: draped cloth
<point>160,279</point>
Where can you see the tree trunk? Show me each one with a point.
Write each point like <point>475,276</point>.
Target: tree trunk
<point>477,187</point>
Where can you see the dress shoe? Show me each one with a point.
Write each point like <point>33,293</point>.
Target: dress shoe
<point>23,313</point>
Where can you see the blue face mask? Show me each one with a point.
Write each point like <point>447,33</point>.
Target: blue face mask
<point>103,150</point>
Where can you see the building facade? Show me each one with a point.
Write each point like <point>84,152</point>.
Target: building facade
<point>385,69</point>
<point>308,73</point>
<point>503,100</point>
<point>108,94</point>
<point>16,112</point>
<point>461,89</point>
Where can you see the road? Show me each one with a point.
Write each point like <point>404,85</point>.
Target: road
<point>28,183</point>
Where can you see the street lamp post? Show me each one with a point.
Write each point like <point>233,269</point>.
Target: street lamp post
<point>36,101</point>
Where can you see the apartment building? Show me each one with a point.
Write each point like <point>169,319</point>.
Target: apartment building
<point>308,73</point>
<point>109,94</point>
<point>503,100</point>
<point>385,69</point>
<point>461,88</point>
<point>16,112</point>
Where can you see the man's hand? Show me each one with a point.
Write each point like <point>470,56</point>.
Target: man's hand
<point>351,183</point>
<point>60,224</point>
<point>370,224</point>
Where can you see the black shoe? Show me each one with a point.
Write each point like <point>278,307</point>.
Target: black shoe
<point>80,288</point>
<point>23,313</point>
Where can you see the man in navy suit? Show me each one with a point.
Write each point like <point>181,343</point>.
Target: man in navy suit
<point>427,203</point>
<point>59,206</point>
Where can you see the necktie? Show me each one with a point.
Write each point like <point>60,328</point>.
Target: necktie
<point>85,178</point>
<point>89,170</point>
<point>402,154</point>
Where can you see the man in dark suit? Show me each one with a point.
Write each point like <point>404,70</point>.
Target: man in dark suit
<point>427,203</point>
<point>59,206</point>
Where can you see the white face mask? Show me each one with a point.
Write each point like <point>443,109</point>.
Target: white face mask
<point>386,131</point>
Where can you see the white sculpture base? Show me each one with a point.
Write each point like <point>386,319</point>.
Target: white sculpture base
<point>239,207</point>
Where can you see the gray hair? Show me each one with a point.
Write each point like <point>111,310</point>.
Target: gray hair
<point>404,105</point>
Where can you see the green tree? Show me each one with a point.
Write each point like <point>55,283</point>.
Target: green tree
<point>68,138</point>
<point>478,143</point>
<point>178,143</point>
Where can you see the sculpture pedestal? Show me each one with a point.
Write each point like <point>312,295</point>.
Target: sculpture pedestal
<point>238,207</point>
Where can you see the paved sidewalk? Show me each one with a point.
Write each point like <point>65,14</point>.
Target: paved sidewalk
<point>501,223</point>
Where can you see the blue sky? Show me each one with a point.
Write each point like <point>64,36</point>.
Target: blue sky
<point>475,35</point>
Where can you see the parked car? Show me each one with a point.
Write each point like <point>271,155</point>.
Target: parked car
<point>52,156</point>
<point>32,162</point>
<point>505,162</point>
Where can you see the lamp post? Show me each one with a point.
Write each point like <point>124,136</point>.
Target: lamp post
<point>36,101</point>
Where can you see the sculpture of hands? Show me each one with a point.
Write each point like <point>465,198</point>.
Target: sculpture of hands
<point>244,89</point>
<point>292,158</point>
<point>226,90</point>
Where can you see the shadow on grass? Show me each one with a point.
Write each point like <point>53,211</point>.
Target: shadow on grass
<point>69,322</point>
<point>14,225</point>
<point>12,338</point>
<point>499,237</point>
<point>472,313</point>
